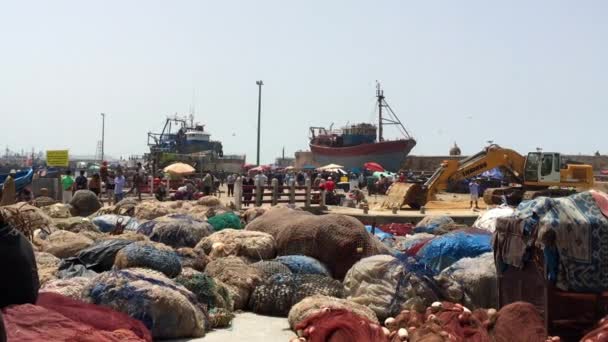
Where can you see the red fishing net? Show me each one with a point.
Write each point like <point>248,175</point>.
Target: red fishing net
<point>340,326</point>
<point>519,321</point>
<point>98,317</point>
<point>32,323</point>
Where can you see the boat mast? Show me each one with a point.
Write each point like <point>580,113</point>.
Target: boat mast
<point>380,96</point>
<point>391,118</point>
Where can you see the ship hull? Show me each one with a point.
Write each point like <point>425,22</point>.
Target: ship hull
<point>389,154</point>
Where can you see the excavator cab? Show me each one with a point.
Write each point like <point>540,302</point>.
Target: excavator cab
<point>541,168</point>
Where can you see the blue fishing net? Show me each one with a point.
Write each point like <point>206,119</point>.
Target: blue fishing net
<point>301,264</point>
<point>148,256</point>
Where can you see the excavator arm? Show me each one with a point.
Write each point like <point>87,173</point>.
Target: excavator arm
<point>491,157</point>
<point>416,195</point>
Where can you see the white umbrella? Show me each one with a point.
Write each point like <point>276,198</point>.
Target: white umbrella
<point>180,169</point>
<point>330,167</point>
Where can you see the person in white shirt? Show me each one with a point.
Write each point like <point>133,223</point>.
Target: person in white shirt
<point>261,179</point>
<point>230,180</point>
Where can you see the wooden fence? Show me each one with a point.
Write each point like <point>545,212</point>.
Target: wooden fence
<point>275,194</point>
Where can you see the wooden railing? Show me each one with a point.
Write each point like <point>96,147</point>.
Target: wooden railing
<point>275,194</point>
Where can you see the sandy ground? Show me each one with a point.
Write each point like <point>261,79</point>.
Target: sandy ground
<point>250,327</point>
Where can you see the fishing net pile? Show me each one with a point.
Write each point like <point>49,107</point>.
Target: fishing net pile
<point>339,325</point>
<point>124,207</point>
<point>64,244</point>
<point>442,251</point>
<point>75,224</point>
<point>194,259</point>
<point>312,305</point>
<point>224,221</point>
<point>57,210</point>
<point>98,317</point>
<point>73,287</point>
<point>599,332</point>
<point>337,241</point>
<point>25,218</point>
<point>28,322</point>
<point>154,256</point>
<point>277,294</point>
<point>252,213</point>
<point>84,203</point>
<point>434,225</point>
<point>209,201</point>
<point>211,293</point>
<point>239,277</point>
<point>301,264</point>
<point>471,281</point>
<point>247,244</point>
<point>47,265</point>
<point>180,231</point>
<point>519,321</point>
<point>169,310</point>
<point>388,285</point>
<point>269,268</point>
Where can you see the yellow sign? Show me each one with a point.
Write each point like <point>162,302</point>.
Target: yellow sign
<point>57,158</point>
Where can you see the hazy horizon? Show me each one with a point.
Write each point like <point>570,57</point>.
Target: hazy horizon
<point>523,74</point>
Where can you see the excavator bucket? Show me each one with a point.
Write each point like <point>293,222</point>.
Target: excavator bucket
<point>400,194</point>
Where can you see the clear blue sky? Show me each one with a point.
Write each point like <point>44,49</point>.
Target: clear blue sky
<point>526,74</point>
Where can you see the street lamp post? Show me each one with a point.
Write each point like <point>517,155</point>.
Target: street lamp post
<point>260,84</point>
<point>103,133</point>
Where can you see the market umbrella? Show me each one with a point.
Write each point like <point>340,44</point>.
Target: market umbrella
<point>179,169</point>
<point>330,167</point>
<point>289,168</point>
<point>308,167</point>
<point>604,172</point>
<point>373,167</point>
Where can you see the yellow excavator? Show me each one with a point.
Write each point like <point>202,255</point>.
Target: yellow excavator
<point>538,174</point>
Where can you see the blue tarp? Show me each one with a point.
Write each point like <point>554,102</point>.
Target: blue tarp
<point>379,233</point>
<point>445,250</point>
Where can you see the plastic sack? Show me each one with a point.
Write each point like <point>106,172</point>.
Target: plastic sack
<point>100,256</point>
<point>166,308</point>
<point>107,223</point>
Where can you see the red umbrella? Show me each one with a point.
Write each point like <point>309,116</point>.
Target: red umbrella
<point>604,172</point>
<point>373,167</point>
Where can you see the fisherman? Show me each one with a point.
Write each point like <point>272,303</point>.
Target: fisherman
<point>67,184</point>
<point>138,180</point>
<point>261,179</point>
<point>474,190</point>
<point>95,184</point>
<point>119,186</point>
<point>81,181</point>
<point>230,180</point>
<point>248,185</point>
<point>207,184</point>
<point>8,189</point>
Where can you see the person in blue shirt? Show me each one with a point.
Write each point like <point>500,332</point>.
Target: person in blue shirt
<point>474,190</point>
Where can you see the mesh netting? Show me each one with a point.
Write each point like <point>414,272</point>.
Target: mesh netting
<point>280,292</point>
<point>301,264</point>
<point>270,268</point>
<point>208,291</point>
<point>151,255</point>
